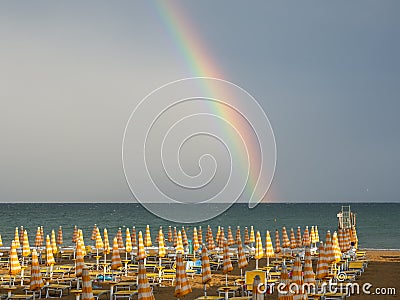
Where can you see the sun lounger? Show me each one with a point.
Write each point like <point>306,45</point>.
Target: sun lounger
<point>21,297</point>
<point>98,293</point>
<point>59,289</point>
<point>125,294</point>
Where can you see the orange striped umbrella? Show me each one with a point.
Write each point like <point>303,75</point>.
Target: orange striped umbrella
<point>292,239</point>
<point>284,292</point>
<point>238,235</point>
<point>161,245</point>
<point>196,244</point>
<point>259,249</point>
<point>80,237</point>
<point>141,252</point>
<point>299,243</point>
<point>115,258</point>
<point>306,238</point>
<point>147,237</point>
<point>242,260</point>
<point>94,233</point>
<point>144,290</point>
<point>54,242</point>
<point>99,242</point>
<point>128,242</point>
<point>210,239</point>
<point>182,285</point>
<point>227,264</point>
<point>336,249</point>
<point>312,236</point>
<point>59,236</point>
<point>329,253</point>
<point>120,240</point>
<point>26,249</point>
<point>200,236</point>
<point>79,259</point>
<point>75,234</point>
<point>87,293</point>
<point>246,236</point>
<point>21,233</point>
<point>49,253</point>
<point>221,239</point>
<point>175,237</point>
<point>38,238</point>
<point>322,264</point>
<point>41,235</point>
<point>231,241</point>
<point>218,235</point>
<point>185,241</point>
<point>252,236</point>
<point>157,236</point>
<point>354,238</point>
<point>170,237</point>
<point>297,278</point>
<point>347,239</point>
<point>285,238</point>
<point>16,239</point>
<point>277,242</point>
<point>205,269</point>
<point>179,244</point>
<point>309,275</point>
<point>316,234</point>
<point>106,249</point>
<point>269,249</point>
<point>14,266</point>
<point>36,281</point>
<point>133,237</point>
<point>340,239</point>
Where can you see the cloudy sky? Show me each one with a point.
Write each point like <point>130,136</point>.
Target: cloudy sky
<point>327,75</point>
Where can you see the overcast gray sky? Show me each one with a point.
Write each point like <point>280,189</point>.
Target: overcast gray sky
<point>326,73</point>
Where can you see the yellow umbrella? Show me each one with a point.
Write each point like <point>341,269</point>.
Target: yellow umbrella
<point>299,243</point>
<point>147,237</point>
<point>316,234</point>
<point>196,245</point>
<point>182,285</point>
<point>218,235</point>
<point>16,238</point>
<point>54,242</point>
<point>144,290</point>
<point>277,242</point>
<point>1,241</point>
<point>269,249</point>
<point>49,256</point>
<point>26,250</point>
<point>98,245</point>
<point>36,282</point>
<point>141,253</point>
<point>120,240</point>
<point>87,293</point>
<point>80,237</point>
<point>79,262</point>
<point>115,259</point>
<point>252,236</point>
<point>205,269</point>
<point>106,249</point>
<point>15,267</point>
<point>59,236</point>
<point>161,245</point>
<point>336,249</point>
<point>128,243</point>
<point>179,244</point>
<point>41,235</point>
<point>312,236</point>
<point>259,249</point>
<point>221,239</point>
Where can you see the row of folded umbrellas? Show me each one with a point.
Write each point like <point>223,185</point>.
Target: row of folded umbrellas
<point>329,253</point>
<point>291,240</point>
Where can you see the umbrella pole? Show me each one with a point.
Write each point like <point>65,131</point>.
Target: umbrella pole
<point>226,279</point>
<point>256,264</point>
<point>205,290</point>
<point>267,261</point>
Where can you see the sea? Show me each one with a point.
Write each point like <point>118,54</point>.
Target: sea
<point>378,224</point>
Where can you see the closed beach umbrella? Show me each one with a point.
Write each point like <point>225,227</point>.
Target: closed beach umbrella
<point>316,234</point>
<point>312,236</point>
<point>157,236</point>
<point>205,269</point>
<point>99,241</point>
<point>231,241</point>
<point>269,249</point>
<point>340,239</point>
<point>252,236</point>
<point>185,241</point>
<point>297,278</point>
<point>210,239</point>
<point>38,238</point>
<point>221,239</point>
<point>200,236</point>
<point>322,264</point>
<point>1,241</point>
<point>41,236</point>
<point>299,243</point>
<point>246,236</point>
<point>49,253</point>
<point>227,264</point>
<point>80,263</point>
<point>218,235</point>
<point>336,248</point>
<point>175,237</point>
<point>133,237</point>
<point>179,244</point>
<point>277,242</point>
<point>147,237</point>
<point>354,238</point>
<point>54,242</point>
<point>120,240</point>
<point>259,249</point>
<point>285,238</point>
<point>94,232</point>
<point>115,258</point>
<point>106,249</point>
<point>306,238</point>
<point>309,275</point>
<point>161,245</point>
<point>196,244</point>
<point>242,260</point>
<point>59,236</point>
<point>170,237</point>
<point>238,235</point>
<point>329,253</point>
<point>293,244</point>
<point>144,289</point>
<point>284,292</point>
<point>36,281</point>
<point>80,237</point>
<point>75,234</point>
<point>26,250</point>
<point>182,285</point>
<point>15,267</point>
<point>16,238</point>
<point>141,253</point>
<point>128,243</point>
<point>87,293</point>
<point>21,233</point>
<point>346,239</point>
